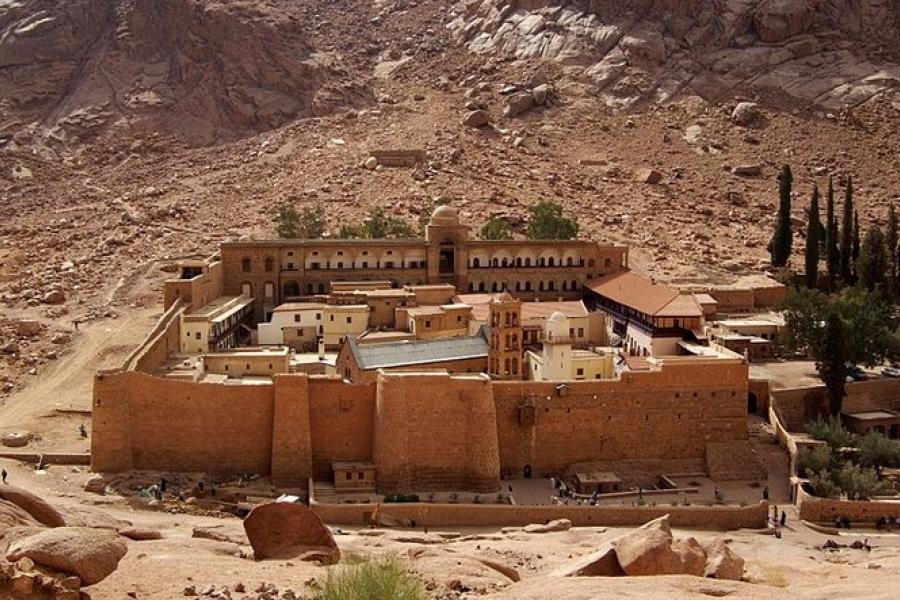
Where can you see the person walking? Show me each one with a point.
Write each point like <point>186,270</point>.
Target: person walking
<point>783,517</point>
<point>766,493</point>
<point>4,474</point>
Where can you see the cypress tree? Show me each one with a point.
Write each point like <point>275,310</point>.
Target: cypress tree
<point>872,266</point>
<point>832,255</point>
<point>891,242</point>
<point>832,360</point>
<point>813,231</point>
<point>856,244</point>
<point>847,233</point>
<point>780,245</point>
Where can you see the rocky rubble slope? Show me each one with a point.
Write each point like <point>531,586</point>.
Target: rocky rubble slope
<point>828,52</point>
<point>204,71</point>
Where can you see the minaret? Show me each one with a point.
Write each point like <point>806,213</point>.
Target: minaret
<point>557,348</point>
<point>505,337</point>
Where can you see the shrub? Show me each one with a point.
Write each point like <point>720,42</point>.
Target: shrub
<point>860,483</point>
<point>380,579</point>
<point>814,461</point>
<point>831,431</point>
<point>496,228</point>
<point>822,485</point>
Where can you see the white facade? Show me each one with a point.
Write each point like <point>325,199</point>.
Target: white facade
<point>290,316</point>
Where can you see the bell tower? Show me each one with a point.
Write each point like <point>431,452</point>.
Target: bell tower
<point>505,337</point>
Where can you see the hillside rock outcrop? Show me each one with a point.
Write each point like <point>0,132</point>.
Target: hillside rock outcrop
<point>91,554</point>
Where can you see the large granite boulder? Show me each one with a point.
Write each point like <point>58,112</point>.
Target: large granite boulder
<point>648,549</point>
<point>91,554</point>
<point>722,562</point>
<point>282,530</point>
<point>777,20</point>
<point>34,505</point>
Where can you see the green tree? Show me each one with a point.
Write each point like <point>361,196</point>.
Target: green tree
<point>868,326</point>
<point>831,431</point>
<point>813,241</point>
<point>891,241</point>
<point>846,247</point>
<point>496,228</point>
<point>823,485</point>
<point>804,312</point>
<point>378,225</point>
<point>814,461</point>
<point>832,254</point>
<point>872,265</point>
<point>854,256</point>
<point>286,220</point>
<point>831,361</point>
<point>547,222</point>
<point>312,222</point>
<point>860,483</point>
<point>780,245</point>
<point>877,451</point>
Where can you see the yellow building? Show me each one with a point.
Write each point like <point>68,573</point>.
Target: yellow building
<point>558,361</point>
<point>428,322</point>
<point>341,322</point>
<point>219,325</point>
<point>247,362</point>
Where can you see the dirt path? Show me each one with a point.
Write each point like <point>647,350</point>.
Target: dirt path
<point>67,383</point>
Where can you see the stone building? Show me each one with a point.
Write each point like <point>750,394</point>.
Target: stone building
<point>278,271</point>
<point>558,360</point>
<point>505,337</point>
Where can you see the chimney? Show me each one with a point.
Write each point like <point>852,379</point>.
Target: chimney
<point>321,348</point>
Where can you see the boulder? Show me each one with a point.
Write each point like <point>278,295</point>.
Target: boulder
<point>648,549</point>
<point>28,327</point>
<point>746,114</point>
<point>54,297</point>
<point>16,439</point>
<point>91,554</point>
<point>34,505</point>
<point>777,20</point>
<point>518,103</point>
<point>747,170</point>
<point>283,530</point>
<point>371,163</point>
<point>691,557</point>
<point>476,118</point>
<point>651,176</point>
<point>140,533</point>
<point>722,562</point>
<point>602,563</point>
<point>540,94</point>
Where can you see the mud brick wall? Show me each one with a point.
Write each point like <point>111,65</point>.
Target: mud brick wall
<point>798,406</point>
<point>719,518</point>
<point>671,413</point>
<point>824,511</point>
<point>291,437</point>
<point>342,420</point>
<point>171,425</point>
<point>435,433</point>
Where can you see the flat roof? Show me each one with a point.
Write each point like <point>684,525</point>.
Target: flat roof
<point>220,308</point>
<point>351,464</point>
<point>598,476</point>
<point>417,352</point>
<point>531,311</point>
<point>295,306</point>
<point>873,415</point>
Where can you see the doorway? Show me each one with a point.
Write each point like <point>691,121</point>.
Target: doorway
<point>447,259</point>
<point>752,404</point>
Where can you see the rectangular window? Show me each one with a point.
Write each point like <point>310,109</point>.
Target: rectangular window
<point>198,335</point>
<point>349,475</point>
<point>318,316</point>
<point>296,318</point>
<point>579,372</point>
<point>331,318</point>
<point>349,320</point>
<point>427,323</point>
<point>340,265</point>
<point>581,332</point>
<point>365,265</point>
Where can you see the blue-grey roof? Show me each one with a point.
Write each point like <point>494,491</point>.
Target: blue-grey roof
<point>417,352</point>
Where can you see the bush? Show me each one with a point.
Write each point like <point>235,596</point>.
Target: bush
<point>831,431</point>
<point>496,228</point>
<point>875,450</point>
<point>860,483</point>
<point>400,498</point>
<point>547,222</point>
<point>814,461</point>
<point>383,579</point>
<point>822,485</point>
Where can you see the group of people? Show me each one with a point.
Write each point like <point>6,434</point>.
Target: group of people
<point>887,522</point>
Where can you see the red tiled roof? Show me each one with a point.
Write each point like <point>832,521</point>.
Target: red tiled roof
<point>643,295</point>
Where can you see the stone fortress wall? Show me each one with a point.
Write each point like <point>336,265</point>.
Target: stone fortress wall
<point>422,431</point>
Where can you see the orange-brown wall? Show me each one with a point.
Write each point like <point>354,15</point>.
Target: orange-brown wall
<point>671,413</point>
<point>341,422</point>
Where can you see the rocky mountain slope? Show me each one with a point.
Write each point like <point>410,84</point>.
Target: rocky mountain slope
<point>133,132</point>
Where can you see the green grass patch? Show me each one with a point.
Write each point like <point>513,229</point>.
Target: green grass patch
<point>373,579</point>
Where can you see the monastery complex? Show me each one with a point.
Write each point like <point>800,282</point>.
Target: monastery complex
<point>437,364</point>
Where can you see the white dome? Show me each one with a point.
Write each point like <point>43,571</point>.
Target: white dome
<point>445,215</point>
<point>556,327</point>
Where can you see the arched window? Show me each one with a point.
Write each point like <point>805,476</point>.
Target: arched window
<point>515,367</point>
<point>270,265</point>
<point>471,287</point>
<point>518,261</point>
<point>527,286</point>
<point>504,262</point>
<point>321,288</point>
<point>550,262</point>
<point>245,265</point>
<point>541,286</point>
<point>607,263</point>
<point>591,263</point>
<point>309,289</point>
<point>527,261</point>
<point>495,287</point>
<point>551,285</point>
<point>569,261</point>
<point>506,366</point>
<point>518,286</point>
<point>481,287</point>
<point>565,286</point>
<point>495,262</point>
<point>476,263</point>
<point>291,288</point>
<point>542,262</point>
<point>573,286</point>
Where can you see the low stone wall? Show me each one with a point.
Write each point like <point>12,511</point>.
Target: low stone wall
<point>722,518</point>
<point>820,510</point>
